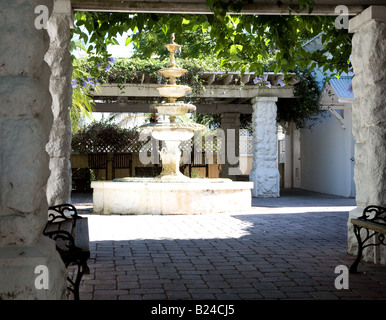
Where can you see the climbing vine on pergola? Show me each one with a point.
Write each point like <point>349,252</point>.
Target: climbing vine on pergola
<point>240,42</point>
<point>239,39</point>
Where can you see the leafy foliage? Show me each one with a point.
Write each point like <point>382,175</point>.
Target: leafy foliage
<point>105,137</point>
<point>136,69</point>
<point>82,102</point>
<point>213,121</point>
<point>306,104</point>
<point>197,43</point>
<point>233,42</point>
<point>236,40</point>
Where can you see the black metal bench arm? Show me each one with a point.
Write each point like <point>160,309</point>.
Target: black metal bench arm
<point>374,214</point>
<point>61,235</point>
<point>82,268</point>
<point>61,227</point>
<point>60,213</point>
<point>373,221</point>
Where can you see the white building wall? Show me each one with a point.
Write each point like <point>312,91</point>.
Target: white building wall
<point>326,156</point>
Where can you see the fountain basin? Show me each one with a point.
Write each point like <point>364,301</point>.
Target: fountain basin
<point>172,47</point>
<point>172,72</point>
<point>173,109</point>
<point>173,90</point>
<point>173,131</point>
<point>140,196</point>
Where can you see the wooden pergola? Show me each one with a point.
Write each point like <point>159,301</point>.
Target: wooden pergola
<point>224,92</point>
<point>261,7</point>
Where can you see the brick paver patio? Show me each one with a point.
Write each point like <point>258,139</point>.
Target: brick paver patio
<point>285,248</point>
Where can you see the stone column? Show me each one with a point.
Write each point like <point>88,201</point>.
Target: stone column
<point>265,174</point>
<point>369,116</point>
<point>25,122</point>
<point>58,58</point>
<point>230,124</point>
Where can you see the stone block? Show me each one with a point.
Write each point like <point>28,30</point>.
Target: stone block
<point>373,112</point>
<point>24,163</point>
<point>20,228</point>
<point>19,276</point>
<point>368,58</point>
<point>358,84</point>
<point>23,97</point>
<point>13,51</point>
<point>59,145</point>
<point>374,57</point>
<point>59,60</point>
<point>21,55</point>
<point>357,54</point>
<point>59,182</point>
<point>266,182</point>
<point>59,31</point>
<point>61,92</point>
<point>149,196</point>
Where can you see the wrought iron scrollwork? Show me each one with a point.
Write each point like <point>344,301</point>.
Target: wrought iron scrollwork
<point>82,268</point>
<point>63,212</point>
<point>375,215</point>
<point>68,239</point>
<point>60,228</point>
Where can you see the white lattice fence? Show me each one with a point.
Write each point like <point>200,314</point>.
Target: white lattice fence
<point>245,143</point>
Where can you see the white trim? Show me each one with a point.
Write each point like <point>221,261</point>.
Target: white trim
<point>63,7</point>
<point>372,13</point>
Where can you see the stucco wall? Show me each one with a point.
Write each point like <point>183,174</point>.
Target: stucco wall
<point>326,152</point>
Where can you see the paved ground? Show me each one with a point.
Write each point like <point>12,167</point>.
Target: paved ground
<point>285,248</point>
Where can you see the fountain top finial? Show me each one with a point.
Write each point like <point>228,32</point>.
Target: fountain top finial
<point>172,74</point>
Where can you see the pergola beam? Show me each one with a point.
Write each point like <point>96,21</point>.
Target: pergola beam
<point>214,91</point>
<point>200,7</point>
<point>215,108</point>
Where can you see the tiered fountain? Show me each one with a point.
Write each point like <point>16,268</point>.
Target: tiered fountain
<point>171,192</point>
<point>172,133</point>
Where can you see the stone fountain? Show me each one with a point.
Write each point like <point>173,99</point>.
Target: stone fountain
<point>172,133</point>
<point>171,192</point>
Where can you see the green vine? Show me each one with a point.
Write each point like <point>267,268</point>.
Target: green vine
<point>305,105</point>
<point>132,70</point>
<point>236,40</point>
<point>104,137</point>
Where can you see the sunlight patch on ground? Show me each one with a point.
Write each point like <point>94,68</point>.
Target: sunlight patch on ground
<point>208,226</point>
<point>294,210</point>
<point>172,227</point>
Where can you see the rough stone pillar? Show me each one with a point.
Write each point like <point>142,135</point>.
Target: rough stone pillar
<point>369,116</point>
<point>265,173</point>
<point>25,122</point>
<point>58,58</point>
<point>230,124</point>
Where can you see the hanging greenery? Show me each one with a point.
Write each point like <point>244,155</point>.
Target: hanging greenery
<point>82,101</point>
<point>234,42</point>
<point>299,109</point>
<point>134,70</point>
<point>305,107</point>
<point>103,136</point>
